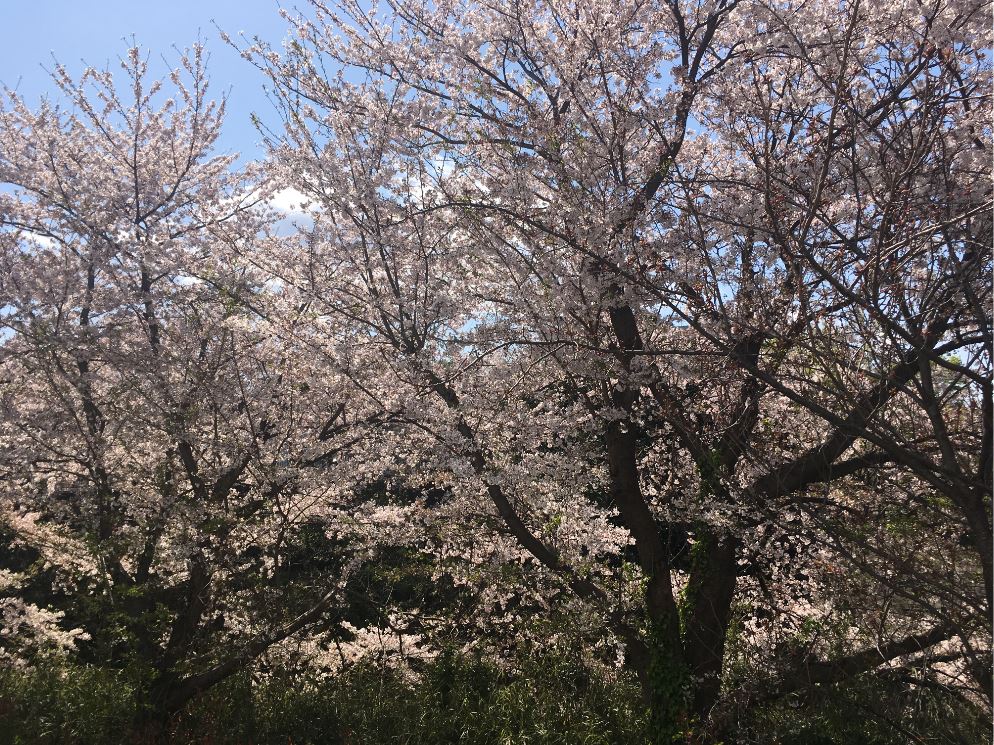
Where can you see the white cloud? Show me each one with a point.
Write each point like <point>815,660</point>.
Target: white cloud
<point>293,203</point>
<point>43,241</point>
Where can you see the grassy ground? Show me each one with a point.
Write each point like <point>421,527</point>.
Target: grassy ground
<point>454,700</point>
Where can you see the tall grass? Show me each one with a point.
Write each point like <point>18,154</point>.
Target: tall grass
<point>552,699</point>
<point>455,700</point>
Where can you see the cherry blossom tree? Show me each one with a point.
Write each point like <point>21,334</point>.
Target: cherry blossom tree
<point>665,321</point>
<point>654,290</point>
<point>160,448</point>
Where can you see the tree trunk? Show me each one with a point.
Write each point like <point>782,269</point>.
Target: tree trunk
<point>706,614</point>
<point>669,687</point>
<point>660,659</point>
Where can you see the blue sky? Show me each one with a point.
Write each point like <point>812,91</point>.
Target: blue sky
<point>100,31</point>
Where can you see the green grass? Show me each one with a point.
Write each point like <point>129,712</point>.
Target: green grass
<point>553,699</point>
<point>455,700</point>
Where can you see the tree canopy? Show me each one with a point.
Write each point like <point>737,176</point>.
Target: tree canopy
<point>666,320</point>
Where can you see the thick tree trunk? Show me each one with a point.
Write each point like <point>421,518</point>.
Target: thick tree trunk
<point>663,677</point>
<point>706,615</point>
<point>660,659</point>
<point>977,517</point>
<point>669,694</point>
<point>152,720</point>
